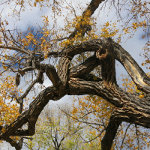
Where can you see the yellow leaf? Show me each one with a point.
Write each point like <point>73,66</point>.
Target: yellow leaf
<point>141,96</point>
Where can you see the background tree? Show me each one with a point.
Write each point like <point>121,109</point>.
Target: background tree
<point>76,40</point>
<point>59,131</point>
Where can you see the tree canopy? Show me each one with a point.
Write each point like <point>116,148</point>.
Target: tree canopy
<point>77,55</point>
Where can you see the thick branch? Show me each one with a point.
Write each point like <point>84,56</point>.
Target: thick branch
<point>63,71</point>
<point>13,143</point>
<point>85,67</point>
<point>110,134</point>
<point>91,77</point>
<point>50,72</point>
<point>130,107</point>
<point>105,55</point>
<point>92,7</point>
<point>136,73</point>
<point>31,115</point>
<point>91,45</point>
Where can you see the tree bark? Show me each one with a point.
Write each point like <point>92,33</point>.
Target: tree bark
<point>130,107</point>
<point>110,134</point>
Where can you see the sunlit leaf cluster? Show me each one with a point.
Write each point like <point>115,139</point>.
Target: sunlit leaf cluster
<point>8,107</point>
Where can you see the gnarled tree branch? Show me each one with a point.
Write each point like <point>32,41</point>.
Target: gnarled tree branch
<point>85,67</point>
<point>31,115</point>
<point>78,81</point>
<point>50,72</point>
<point>136,73</point>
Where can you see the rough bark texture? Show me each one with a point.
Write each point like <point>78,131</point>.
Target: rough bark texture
<point>130,107</point>
<point>78,80</point>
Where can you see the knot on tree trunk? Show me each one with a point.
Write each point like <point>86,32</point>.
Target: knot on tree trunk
<point>106,56</point>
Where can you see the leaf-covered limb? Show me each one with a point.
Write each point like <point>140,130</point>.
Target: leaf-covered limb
<point>94,4</point>
<point>86,15</point>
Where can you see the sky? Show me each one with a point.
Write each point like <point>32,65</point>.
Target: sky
<point>32,17</point>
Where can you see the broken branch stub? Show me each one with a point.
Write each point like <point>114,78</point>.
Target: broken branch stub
<point>106,56</point>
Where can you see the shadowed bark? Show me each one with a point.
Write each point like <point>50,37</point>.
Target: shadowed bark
<point>110,134</point>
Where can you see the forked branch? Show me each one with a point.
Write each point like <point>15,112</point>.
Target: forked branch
<point>31,115</point>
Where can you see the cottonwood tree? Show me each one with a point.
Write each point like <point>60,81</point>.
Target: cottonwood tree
<point>67,77</point>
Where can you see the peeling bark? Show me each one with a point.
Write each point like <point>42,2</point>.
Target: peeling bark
<point>106,57</point>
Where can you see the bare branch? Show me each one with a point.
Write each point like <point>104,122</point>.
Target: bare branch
<point>84,68</point>
<point>124,136</point>
<point>38,80</point>
<point>24,70</point>
<point>16,49</point>
<point>95,137</point>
